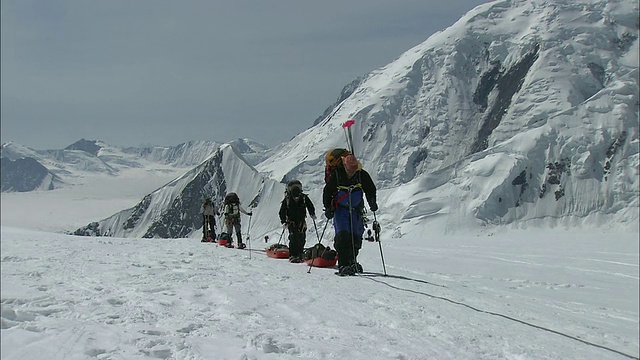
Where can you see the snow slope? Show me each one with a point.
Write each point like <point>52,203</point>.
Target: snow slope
<point>517,295</point>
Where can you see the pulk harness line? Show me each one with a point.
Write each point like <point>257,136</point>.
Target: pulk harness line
<point>319,241</point>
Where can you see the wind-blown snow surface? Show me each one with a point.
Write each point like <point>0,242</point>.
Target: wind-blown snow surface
<point>519,295</point>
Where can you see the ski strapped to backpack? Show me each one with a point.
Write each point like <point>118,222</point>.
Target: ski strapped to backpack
<point>347,133</point>
<point>333,158</point>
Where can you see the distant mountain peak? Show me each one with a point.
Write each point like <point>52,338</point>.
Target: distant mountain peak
<point>90,146</point>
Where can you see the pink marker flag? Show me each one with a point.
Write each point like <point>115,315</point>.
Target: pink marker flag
<point>348,123</point>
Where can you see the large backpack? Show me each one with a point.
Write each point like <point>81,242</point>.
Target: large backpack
<point>231,198</point>
<point>319,250</point>
<point>231,206</point>
<point>333,160</point>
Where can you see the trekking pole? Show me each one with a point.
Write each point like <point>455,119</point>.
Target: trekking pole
<point>283,229</point>
<point>376,229</point>
<point>319,240</point>
<point>205,234</point>
<point>316,227</point>
<point>249,236</point>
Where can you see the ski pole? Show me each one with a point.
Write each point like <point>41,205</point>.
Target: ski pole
<point>283,229</point>
<point>316,227</point>
<point>319,240</point>
<point>204,227</point>
<point>249,236</point>
<point>376,228</point>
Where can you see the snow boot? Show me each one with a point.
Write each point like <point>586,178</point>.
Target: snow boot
<point>346,270</point>
<point>241,246</point>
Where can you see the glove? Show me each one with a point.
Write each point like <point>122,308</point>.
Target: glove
<point>251,213</point>
<point>284,226</point>
<point>374,207</point>
<point>313,216</point>
<point>329,214</point>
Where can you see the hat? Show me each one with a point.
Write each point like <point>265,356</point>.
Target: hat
<point>294,187</point>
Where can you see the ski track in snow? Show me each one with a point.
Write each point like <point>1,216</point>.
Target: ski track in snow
<point>111,298</point>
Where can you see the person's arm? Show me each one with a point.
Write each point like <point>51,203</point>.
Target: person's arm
<point>244,211</point>
<point>369,189</point>
<point>283,211</point>
<point>310,207</point>
<point>329,191</point>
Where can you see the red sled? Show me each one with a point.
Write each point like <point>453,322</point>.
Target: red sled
<point>321,262</point>
<point>277,252</point>
<point>224,239</point>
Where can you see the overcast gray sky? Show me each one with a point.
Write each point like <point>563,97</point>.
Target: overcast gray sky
<point>161,72</point>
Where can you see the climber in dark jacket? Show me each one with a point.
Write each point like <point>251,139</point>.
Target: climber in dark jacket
<point>293,211</point>
<point>343,200</point>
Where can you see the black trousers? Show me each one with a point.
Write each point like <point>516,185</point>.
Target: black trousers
<point>210,221</point>
<point>297,239</point>
<point>347,247</point>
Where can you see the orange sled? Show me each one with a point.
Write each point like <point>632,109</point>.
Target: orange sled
<point>277,251</point>
<point>321,262</point>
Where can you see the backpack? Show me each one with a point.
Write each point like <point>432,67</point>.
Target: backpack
<point>319,250</point>
<point>231,206</point>
<point>333,160</point>
<point>231,198</point>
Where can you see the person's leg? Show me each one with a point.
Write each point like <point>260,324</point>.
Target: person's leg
<point>229,227</point>
<point>344,247</point>
<point>294,244</point>
<point>212,227</point>
<point>303,240</point>
<point>358,232</point>
<point>238,227</point>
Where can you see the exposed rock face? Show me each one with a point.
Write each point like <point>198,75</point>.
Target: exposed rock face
<point>25,174</point>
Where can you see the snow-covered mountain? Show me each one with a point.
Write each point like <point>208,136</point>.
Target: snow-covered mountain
<point>95,156</point>
<point>173,210</point>
<point>72,164</point>
<point>521,112</point>
<point>26,174</point>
